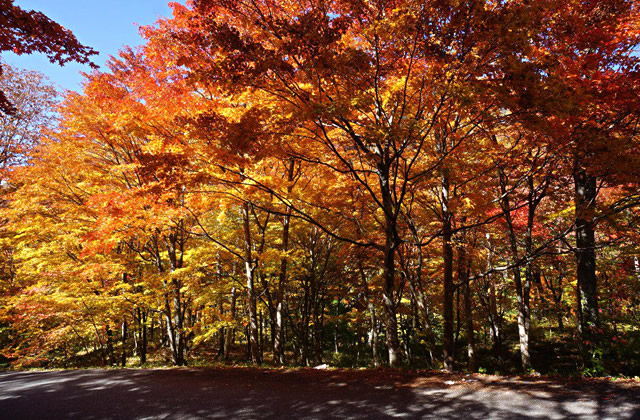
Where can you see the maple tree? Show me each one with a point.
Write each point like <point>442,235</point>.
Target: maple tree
<point>321,181</point>
<point>29,31</point>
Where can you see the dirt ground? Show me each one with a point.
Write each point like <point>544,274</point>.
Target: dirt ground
<point>306,393</point>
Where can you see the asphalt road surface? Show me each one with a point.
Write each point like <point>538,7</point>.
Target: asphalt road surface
<point>303,394</point>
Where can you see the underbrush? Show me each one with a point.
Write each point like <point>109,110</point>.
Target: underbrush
<point>556,354</point>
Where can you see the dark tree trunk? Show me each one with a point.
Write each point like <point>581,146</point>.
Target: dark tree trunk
<point>585,202</point>
<point>278,343</point>
<point>391,242</point>
<point>448,288</point>
<point>222,333</point>
<point>230,329</point>
<point>420,297</point>
<point>458,316</point>
<point>152,327</point>
<point>522,291</point>
<point>391,323</point>
<point>261,334</point>
<point>123,337</point>
<point>111,359</point>
<point>143,336</point>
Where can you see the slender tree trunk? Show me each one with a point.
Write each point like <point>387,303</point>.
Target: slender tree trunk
<point>173,318</point>
<point>110,355</point>
<point>253,319</point>
<point>143,336</point>
<point>373,331</point>
<point>229,330</point>
<point>522,292</point>
<point>496,331</point>
<point>464,282</point>
<point>319,331</point>
<point>523,320</point>
<point>136,335</point>
<point>278,344</point>
<point>457,317</point>
<point>373,334</point>
<point>246,334</point>
<point>174,304</point>
<point>251,295</point>
<point>336,350</point>
<point>585,203</point>
<point>152,327</point>
<point>318,319</point>
<point>533,201</point>
<point>560,318</point>
<point>222,333</point>
<point>448,288</point>
<point>171,333</point>
<point>123,332</point>
<point>177,343</point>
<point>123,337</point>
<point>420,297</point>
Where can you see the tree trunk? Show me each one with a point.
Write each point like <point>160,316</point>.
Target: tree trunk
<point>420,297</point>
<point>533,201</point>
<point>278,343</point>
<point>585,203</point>
<point>523,318</point>
<point>496,330</point>
<point>391,323</point>
<point>175,324</point>
<point>143,336</point>
<point>229,330</point>
<point>261,334</point>
<point>123,337</point>
<point>111,360</point>
<point>389,249</point>
<point>174,304</point>
<point>373,331</point>
<point>522,292</point>
<point>222,332</point>
<point>173,319</point>
<point>251,295</point>
<point>176,357</point>
<point>464,282</point>
<point>448,288</point>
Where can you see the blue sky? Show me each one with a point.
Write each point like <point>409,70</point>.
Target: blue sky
<point>105,26</point>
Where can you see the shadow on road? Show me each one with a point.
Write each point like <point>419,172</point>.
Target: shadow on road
<point>256,393</point>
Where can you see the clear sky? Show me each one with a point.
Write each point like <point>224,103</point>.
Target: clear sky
<point>104,25</point>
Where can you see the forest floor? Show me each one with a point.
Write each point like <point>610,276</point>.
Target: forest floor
<point>307,393</point>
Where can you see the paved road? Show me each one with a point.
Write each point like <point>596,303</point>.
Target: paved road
<point>254,393</point>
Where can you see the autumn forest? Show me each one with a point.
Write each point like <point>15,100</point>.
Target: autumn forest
<point>433,184</point>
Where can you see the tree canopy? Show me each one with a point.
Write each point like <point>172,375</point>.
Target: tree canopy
<point>430,183</point>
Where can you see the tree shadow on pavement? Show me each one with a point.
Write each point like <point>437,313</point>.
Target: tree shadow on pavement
<point>262,393</point>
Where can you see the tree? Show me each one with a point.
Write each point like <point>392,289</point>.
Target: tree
<point>20,133</point>
<point>34,100</point>
<point>26,32</point>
